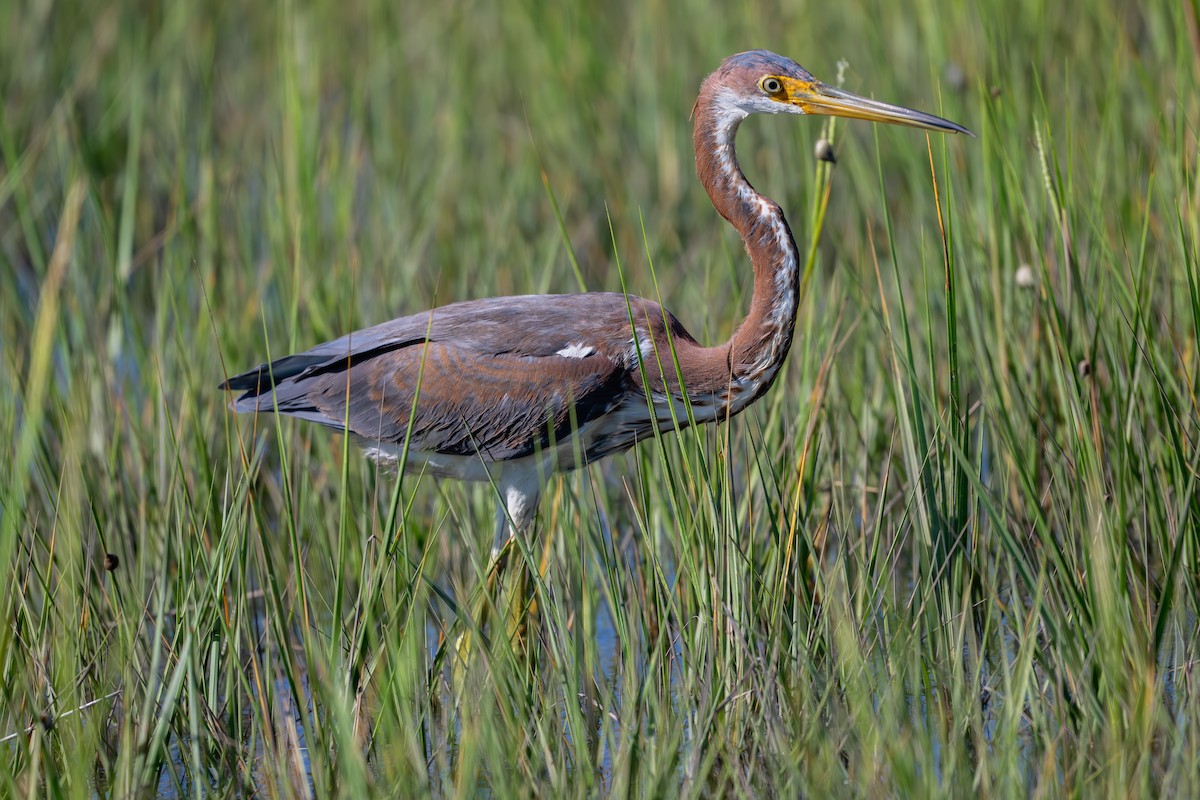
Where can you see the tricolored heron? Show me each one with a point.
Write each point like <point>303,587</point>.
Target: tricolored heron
<point>513,389</point>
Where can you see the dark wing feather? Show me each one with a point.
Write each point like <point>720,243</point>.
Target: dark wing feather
<point>500,406</point>
<point>491,380</point>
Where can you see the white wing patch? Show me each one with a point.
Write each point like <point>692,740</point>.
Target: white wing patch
<point>577,350</point>
<point>640,345</point>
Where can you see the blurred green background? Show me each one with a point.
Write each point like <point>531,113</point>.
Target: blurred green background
<point>955,549</point>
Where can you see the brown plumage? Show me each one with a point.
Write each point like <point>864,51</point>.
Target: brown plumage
<point>513,389</point>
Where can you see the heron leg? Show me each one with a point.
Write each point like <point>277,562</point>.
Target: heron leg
<point>516,509</point>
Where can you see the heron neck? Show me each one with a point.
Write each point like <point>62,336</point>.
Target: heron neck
<point>761,342</point>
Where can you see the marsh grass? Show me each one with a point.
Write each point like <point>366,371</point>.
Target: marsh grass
<point>955,550</point>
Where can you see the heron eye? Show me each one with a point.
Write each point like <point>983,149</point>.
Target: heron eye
<point>771,85</point>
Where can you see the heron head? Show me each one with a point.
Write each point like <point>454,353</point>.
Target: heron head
<point>762,82</point>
